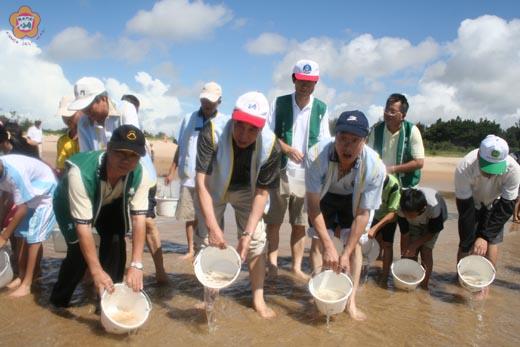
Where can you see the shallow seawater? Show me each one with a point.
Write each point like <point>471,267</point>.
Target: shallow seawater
<point>446,315</point>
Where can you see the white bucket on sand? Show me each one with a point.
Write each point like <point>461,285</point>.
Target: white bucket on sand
<point>475,272</point>
<point>296,179</point>
<point>166,206</point>
<point>124,310</point>
<point>217,268</point>
<point>331,291</point>
<point>6,271</point>
<point>407,274</point>
<point>60,245</point>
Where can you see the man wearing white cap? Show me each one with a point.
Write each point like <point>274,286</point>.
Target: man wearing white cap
<point>238,160</point>
<point>186,155</point>
<point>486,189</point>
<point>67,144</point>
<point>299,120</point>
<point>100,117</point>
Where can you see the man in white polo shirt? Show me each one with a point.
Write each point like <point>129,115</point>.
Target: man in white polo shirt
<point>486,189</point>
<point>35,136</point>
<point>299,120</point>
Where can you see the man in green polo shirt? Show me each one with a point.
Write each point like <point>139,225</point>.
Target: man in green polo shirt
<point>299,121</point>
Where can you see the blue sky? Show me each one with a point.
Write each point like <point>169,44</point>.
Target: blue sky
<point>449,57</point>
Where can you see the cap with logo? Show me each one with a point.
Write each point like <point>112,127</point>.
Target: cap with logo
<point>63,107</point>
<point>211,91</point>
<point>128,138</point>
<point>252,108</point>
<point>353,122</point>
<point>493,154</point>
<point>306,70</point>
<point>85,91</point>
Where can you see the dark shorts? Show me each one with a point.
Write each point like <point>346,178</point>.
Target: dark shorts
<point>387,231</point>
<point>152,202</point>
<point>467,239</point>
<point>337,210</point>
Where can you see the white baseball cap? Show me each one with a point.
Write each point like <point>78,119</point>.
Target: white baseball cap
<point>211,91</point>
<point>63,107</point>
<point>493,153</point>
<point>306,70</point>
<point>252,108</point>
<point>85,91</point>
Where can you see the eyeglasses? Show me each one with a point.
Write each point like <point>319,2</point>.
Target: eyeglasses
<point>392,114</point>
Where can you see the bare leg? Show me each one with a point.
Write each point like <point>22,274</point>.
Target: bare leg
<point>356,260</point>
<point>315,256</point>
<point>190,227</point>
<point>273,241</point>
<point>153,241</point>
<point>30,266</point>
<point>388,257</point>
<point>257,274</point>
<point>297,250</point>
<point>427,263</point>
<point>516,214</point>
<point>379,239</point>
<point>18,249</point>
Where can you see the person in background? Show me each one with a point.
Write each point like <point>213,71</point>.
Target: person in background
<point>299,121</point>
<point>67,144</point>
<point>186,155</point>
<point>344,181</point>
<point>424,212</point>
<point>35,136</point>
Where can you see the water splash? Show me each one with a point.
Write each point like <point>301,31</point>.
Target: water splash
<point>210,296</point>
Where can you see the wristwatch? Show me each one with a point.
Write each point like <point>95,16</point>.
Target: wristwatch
<point>137,265</point>
<point>246,233</point>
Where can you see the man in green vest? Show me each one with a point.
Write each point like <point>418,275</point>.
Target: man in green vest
<point>399,143</point>
<point>107,190</point>
<point>299,120</point>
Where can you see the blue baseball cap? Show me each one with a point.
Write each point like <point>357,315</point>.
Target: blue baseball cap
<point>353,122</point>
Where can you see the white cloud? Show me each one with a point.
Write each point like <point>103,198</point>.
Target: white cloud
<point>267,44</point>
<point>158,111</point>
<point>179,20</point>
<point>76,43</point>
<point>479,78</point>
<point>30,85</point>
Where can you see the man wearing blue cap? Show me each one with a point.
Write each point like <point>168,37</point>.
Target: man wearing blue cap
<point>344,181</point>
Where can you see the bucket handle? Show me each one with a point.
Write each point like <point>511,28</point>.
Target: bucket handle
<point>142,292</point>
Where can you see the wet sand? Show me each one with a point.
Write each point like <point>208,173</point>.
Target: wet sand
<point>446,316</point>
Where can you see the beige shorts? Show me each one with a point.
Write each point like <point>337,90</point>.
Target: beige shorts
<point>185,208</point>
<point>241,202</point>
<point>282,200</point>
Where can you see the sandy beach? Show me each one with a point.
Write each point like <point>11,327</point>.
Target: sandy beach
<point>447,315</point>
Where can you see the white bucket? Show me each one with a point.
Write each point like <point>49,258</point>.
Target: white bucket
<point>407,274</point>
<point>166,206</point>
<point>60,245</point>
<point>124,310</point>
<point>6,271</point>
<point>296,179</point>
<point>217,268</point>
<point>330,291</point>
<point>369,248</point>
<point>475,272</point>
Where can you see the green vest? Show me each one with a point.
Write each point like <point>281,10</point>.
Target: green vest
<point>284,121</point>
<point>404,152</point>
<point>90,165</point>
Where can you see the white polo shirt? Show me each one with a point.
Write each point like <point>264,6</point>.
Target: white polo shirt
<point>469,181</point>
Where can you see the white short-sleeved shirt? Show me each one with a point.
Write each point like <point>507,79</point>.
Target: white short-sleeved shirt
<point>301,119</point>
<point>469,181</point>
<point>81,207</point>
<point>35,134</point>
<point>29,180</point>
<point>390,142</point>
<point>343,186</point>
<point>434,208</point>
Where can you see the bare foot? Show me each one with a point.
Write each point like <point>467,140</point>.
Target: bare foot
<point>14,283</point>
<point>356,314</point>
<point>21,291</point>
<point>272,272</point>
<point>300,275</point>
<point>188,256</point>
<point>161,278</point>
<point>264,311</point>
